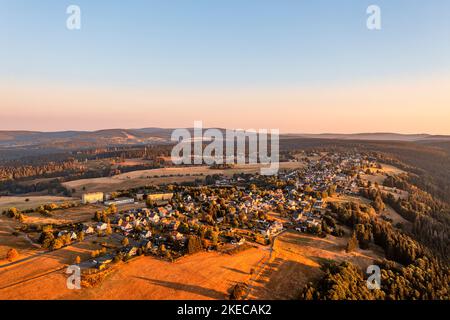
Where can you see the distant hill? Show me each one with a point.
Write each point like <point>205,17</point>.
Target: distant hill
<point>381,136</point>
<point>112,137</point>
<point>69,139</point>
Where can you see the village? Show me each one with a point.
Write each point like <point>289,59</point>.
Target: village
<point>226,213</point>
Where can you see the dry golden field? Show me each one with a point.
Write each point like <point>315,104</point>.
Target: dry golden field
<point>296,260</point>
<point>8,240</point>
<point>20,202</point>
<point>170,175</point>
<point>206,275</point>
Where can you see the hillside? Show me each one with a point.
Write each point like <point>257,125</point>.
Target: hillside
<point>73,139</point>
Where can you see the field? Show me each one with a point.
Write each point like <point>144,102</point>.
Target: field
<point>378,175</point>
<point>281,272</point>
<point>8,240</point>
<point>41,275</point>
<point>21,203</point>
<point>206,275</point>
<point>296,260</point>
<point>162,176</point>
<point>388,212</point>
<point>64,216</point>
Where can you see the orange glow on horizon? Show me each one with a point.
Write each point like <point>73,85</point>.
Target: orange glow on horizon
<point>403,107</point>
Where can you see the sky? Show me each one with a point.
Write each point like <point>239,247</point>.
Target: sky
<point>294,65</point>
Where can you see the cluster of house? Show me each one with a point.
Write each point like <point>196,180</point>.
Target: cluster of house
<point>171,219</point>
<point>336,170</point>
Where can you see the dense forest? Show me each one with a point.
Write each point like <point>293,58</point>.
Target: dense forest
<point>47,172</point>
<point>416,264</point>
<point>410,270</point>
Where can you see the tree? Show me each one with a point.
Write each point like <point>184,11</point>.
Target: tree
<point>13,212</point>
<point>150,203</point>
<point>239,291</point>
<point>332,190</point>
<point>364,235</point>
<point>378,203</point>
<point>183,228</point>
<point>108,230</point>
<point>21,218</point>
<point>46,239</point>
<point>12,255</point>
<point>57,244</point>
<point>112,209</point>
<point>194,244</point>
<point>202,231</point>
<point>95,253</point>
<point>352,243</point>
<point>168,255</point>
<point>214,237</point>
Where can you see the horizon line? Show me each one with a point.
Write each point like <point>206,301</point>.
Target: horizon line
<point>206,128</point>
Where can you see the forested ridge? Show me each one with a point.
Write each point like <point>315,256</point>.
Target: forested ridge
<point>410,270</point>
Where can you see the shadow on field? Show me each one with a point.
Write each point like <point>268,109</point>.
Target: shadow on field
<point>210,293</point>
<point>235,270</point>
<point>283,279</point>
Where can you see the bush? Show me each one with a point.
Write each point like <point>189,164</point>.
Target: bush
<point>239,291</point>
<point>12,255</point>
<point>57,244</point>
<point>352,243</point>
<point>194,244</point>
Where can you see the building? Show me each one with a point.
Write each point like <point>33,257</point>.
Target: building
<point>160,196</point>
<point>119,201</point>
<point>93,197</point>
<point>139,196</point>
<point>101,226</point>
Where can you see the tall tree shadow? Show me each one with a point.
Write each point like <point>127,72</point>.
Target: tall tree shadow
<point>235,270</point>
<point>210,293</point>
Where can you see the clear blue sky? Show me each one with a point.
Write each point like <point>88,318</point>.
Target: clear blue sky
<point>218,42</point>
<point>222,43</point>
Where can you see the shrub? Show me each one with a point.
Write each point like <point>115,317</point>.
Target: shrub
<point>239,291</point>
<point>12,255</point>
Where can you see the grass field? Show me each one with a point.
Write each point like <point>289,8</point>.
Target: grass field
<point>296,260</point>
<point>41,275</point>
<point>8,240</point>
<point>63,216</point>
<point>206,275</point>
<point>21,203</point>
<point>154,176</point>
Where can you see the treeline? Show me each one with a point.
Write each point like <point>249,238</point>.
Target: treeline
<point>412,272</point>
<point>420,280</point>
<point>363,220</point>
<point>53,187</point>
<point>48,170</point>
<point>430,217</point>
